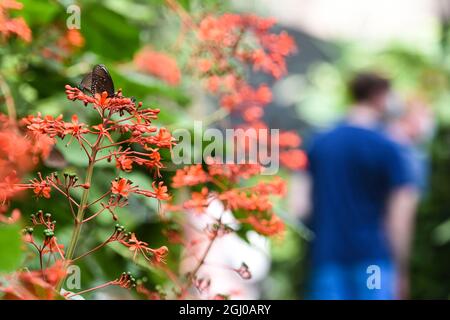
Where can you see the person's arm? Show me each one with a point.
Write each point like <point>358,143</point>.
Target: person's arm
<point>400,225</point>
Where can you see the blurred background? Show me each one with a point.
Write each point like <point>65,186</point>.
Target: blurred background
<point>406,40</point>
<point>409,40</point>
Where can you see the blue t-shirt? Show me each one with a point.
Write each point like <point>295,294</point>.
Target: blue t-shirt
<point>353,171</point>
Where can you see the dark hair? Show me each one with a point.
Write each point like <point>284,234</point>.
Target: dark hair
<point>364,86</point>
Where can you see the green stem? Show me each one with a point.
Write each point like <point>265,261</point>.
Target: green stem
<point>80,214</point>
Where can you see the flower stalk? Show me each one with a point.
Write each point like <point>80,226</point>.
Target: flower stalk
<point>80,214</point>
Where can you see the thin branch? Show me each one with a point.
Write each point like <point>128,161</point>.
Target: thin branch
<point>70,204</point>
<point>91,289</point>
<point>99,199</point>
<point>101,245</point>
<point>205,254</point>
<point>94,215</point>
<point>54,185</point>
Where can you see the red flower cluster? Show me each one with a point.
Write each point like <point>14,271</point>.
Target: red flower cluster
<point>226,46</point>
<point>223,41</point>
<point>251,204</point>
<point>159,65</point>
<point>291,156</point>
<point>63,44</point>
<point>139,144</point>
<point>34,285</point>
<point>266,226</point>
<point>71,39</point>
<point>123,187</point>
<point>16,150</point>
<point>141,248</point>
<point>228,30</point>
<point>41,187</point>
<point>13,26</point>
<point>138,123</point>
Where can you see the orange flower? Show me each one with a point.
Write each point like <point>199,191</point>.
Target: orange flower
<point>124,163</point>
<point>41,188</point>
<point>48,125</point>
<point>189,176</point>
<point>198,201</point>
<point>247,201</point>
<point>276,186</point>
<point>54,246</point>
<point>8,187</point>
<point>213,84</point>
<point>253,113</point>
<point>293,159</point>
<point>66,44</point>
<point>34,285</point>
<point>159,254</point>
<point>136,246</point>
<point>102,99</point>
<point>160,191</point>
<point>18,155</point>
<point>10,26</point>
<point>11,4</point>
<point>75,128</point>
<point>230,39</point>
<point>232,171</point>
<point>205,65</point>
<point>211,29</point>
<point>244,96</point>
<point>121,187</point>
<point>13,218</point>
<point>289,139</point>
<point>103,131</point>
<point>163,139</point>
<point>159,65</point>
<point>263,94</point>
<point>74,38</point>
<point>267,227</point>
<point>141,247</point>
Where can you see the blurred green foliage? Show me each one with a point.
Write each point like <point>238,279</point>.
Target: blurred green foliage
<point>431,251</point>
<point>10,242</point>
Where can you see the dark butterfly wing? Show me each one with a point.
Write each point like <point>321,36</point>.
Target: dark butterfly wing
<point>86,83</point>
<point>102,81</point>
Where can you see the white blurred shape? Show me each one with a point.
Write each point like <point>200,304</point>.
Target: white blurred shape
<point>227,253</point>
<point>367,20</point>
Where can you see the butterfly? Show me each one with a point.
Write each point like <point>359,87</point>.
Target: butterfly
<point>98,81</point>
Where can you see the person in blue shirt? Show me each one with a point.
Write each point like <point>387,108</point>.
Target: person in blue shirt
<point>363,203</point>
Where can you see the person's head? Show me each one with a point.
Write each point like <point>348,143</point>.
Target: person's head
<point>370,89</point>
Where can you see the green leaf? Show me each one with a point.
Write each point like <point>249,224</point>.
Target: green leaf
<point>141,12</point>
<point>141,86</point>
<point>39,12</point>
<point>10,244</point>
<point>108,33</point>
